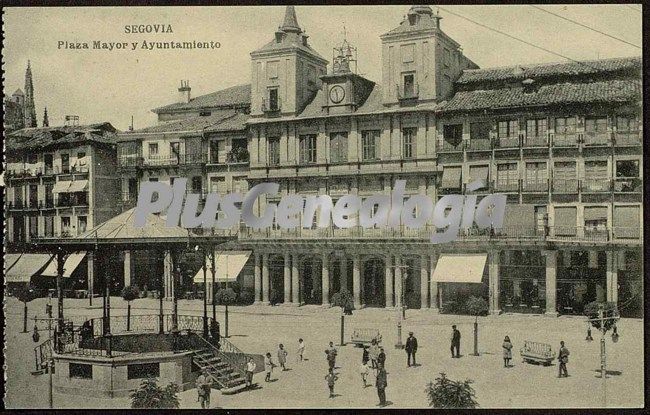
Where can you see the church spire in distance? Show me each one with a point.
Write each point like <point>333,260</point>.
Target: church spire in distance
<point>290,21</point>
<point>30,110</point>
<point>46,121</point>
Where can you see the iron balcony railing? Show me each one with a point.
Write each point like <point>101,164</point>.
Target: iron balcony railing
<point>627,185</point>
<point>627,138</point>
<point>565,140</point>
<point>175,160</point>
<point>536,141</point>
<point>594,138</point>
<point>507,142</point>
<point>538,186</point>
<point>405,92</point>
<point>270,107</point>
<point>539,233</point>
<point>565,185</point>
<point>510,186</point>
<point>446,146</point>
<point>130,160</point>
<point>595,185</point>
<point>479,144</point>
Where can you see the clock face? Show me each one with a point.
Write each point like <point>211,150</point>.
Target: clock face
<point>337,93</point>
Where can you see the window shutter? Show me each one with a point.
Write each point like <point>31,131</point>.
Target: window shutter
<point>565,220</point>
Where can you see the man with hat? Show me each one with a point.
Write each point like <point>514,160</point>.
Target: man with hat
<point>411,347</point>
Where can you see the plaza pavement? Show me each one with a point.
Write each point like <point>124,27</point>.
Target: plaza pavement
<point>259,329</point>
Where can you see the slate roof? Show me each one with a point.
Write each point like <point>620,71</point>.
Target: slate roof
<point>197,123</point>
<point>560,93</point>
<point>291,40</point>
<point>239,95</point>
<point>521,72</point>
<point>237,122</point>
<point>50,137</point>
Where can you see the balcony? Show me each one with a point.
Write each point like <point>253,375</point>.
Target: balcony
<point>627,185</point>
<point>506,186</point>
<point>32,203</point>
<point>271,108</point>
<point>594,139</point>
<point>24,170</point>
<point>627,138</point>
<point>127,161</point>
<point>536,187</point>
<point>408,92</point>
<point>16,205</point>
<point>479,145</point>
<point>46,204</point>
<point>532,141</point>
<point>567,186</point>
<point>595,185</point>
<point>447,147</point>
<point>72,202</point>
<point>626,233</point>
<point>565,140</point>
<point>507,142</point>
<point>177,160</point>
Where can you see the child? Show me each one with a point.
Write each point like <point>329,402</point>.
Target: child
<point>268,367</point>
<point>282,357</point>
<point>301,349</point>
<point>363,370</point>
<point>331,378</point>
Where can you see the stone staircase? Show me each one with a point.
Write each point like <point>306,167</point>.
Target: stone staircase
<point>225,371</point>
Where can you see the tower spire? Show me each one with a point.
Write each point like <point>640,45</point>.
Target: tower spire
<point>30,110</point>
<point>46,121</point>
<point>290,21</point>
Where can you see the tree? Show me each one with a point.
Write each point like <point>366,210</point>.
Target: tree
<point>129,293</point>
<point>449,394</point>
<point>25,294</point>
<point>609,310</point>
<point>226,296</point>
<point>151,395</point>
<point>476,306</point>
<point>344,300</point>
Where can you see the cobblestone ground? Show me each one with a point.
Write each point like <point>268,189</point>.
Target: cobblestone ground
<point>260,329</point>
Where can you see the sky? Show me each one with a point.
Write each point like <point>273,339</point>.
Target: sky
<point>100,85</point>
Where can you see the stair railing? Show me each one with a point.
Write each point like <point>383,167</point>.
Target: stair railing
<point>236,360</point>
<point>43,354</point>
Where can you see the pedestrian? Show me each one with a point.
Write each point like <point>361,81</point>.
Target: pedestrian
<point>331,357</point>
<point>331,378</point>
<point>366,355</point>
<point>282,357</point>
<point>203,388</point>
<point>381,358</point>
<point>507,351</point>
<point>382,383</point>
<point>455,342</point>
<point>268,367</point>
<point>364,370</point>
<point>373,353</point>
<point>411,348</point>
<point>301,349</point>
<point>563,357</point>
<point>250,370</point>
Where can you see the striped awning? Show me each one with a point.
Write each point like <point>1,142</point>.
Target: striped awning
<point>228,265</point>
<point>465,268</point>
<point>71,263</point>
<point>26,267</point>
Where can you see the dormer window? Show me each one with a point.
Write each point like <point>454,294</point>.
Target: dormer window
<point>528,85</point>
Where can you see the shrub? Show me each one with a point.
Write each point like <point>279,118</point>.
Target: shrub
<point>247,296</point>
<point>449,394</point>
<point>342,299</point>
<point>476,306</point>
<point>236,286</point>
<point>130,293</point>
<point>151,395</point>
<point>610,310</point>
<point>225,296</point>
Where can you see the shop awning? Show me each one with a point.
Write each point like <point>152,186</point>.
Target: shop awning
<point>460,268</point>
<point>228,263</point>
<point>595,213</point>
<point>61,186</point>
<point>26,267</point>
<point>71,263</point>
<point>78,186</point>
<point>451,178</point>
<point>10,260</point>
<point>478,173</point>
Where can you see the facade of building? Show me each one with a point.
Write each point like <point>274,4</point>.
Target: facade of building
<point>563,141</point>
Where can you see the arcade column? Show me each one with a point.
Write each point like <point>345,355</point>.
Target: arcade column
<point>551,283</point>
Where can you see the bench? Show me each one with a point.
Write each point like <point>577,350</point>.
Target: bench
<point>361,337</point>
<point>536,353</point>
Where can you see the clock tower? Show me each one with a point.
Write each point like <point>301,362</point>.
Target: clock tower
<point>344,89</point>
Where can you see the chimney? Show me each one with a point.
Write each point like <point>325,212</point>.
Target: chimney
<point>184,92</point>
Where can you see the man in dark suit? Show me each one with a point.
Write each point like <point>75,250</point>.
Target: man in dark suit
<point>455,341</point>
<point>411,347</point>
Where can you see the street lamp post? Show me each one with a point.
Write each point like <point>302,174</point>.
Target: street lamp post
<point>401,313</point>
<point>603,354</point>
